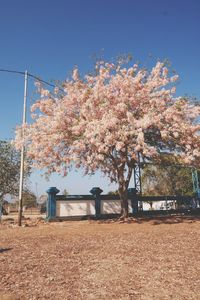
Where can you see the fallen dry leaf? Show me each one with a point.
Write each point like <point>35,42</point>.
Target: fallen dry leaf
<point>141,260</point>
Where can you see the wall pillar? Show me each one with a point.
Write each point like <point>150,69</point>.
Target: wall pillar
<point>51,203</point>
<point>96,192</point>
<point>132,195</point>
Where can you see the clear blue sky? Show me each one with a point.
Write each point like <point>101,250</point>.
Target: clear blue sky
<point>49,37</point>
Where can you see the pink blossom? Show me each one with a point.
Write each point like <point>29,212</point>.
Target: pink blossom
<point>103,120</point>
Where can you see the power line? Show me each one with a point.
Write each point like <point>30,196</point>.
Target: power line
<point>46,82</point>
<point>12,71</point>
<point>31,75</point>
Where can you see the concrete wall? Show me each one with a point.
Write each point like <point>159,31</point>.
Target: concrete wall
<point>100,205</point>
<point>112,207</point>
<point>87,207</point>
<point>75,208</point>
<point>160,205</point>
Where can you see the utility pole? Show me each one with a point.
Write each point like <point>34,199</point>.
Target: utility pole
<point>26,75</point>
<point>22,152</point>
<point>36,189</point>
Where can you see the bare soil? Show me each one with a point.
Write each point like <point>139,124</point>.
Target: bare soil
<point>146,259</point>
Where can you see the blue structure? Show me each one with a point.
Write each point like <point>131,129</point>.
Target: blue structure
<point>138,180</point>
<point>132,194</point>
<point>96,192</point>
<point>51,203</point>
<point>195,181</point>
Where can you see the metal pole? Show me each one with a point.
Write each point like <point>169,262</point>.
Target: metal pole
<point>22,152</point>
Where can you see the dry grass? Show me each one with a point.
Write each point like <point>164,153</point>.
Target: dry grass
<point>152,259</point>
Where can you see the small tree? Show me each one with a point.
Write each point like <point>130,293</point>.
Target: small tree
<point>42,201</point>
<point>101,122</point>
<point>65,192</point>
<point>9,170</point>
<point>29,199</point>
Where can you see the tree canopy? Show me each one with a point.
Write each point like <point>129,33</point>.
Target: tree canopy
<point>103,120</point>
<point>9,169</point>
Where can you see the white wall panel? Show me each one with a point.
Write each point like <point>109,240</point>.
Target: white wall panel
<point>75,208</point>
<point>113,206</point>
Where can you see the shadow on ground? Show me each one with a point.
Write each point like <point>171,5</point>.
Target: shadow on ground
<point>5,249</point>
<point>154,220</point>
<point>159,220</point>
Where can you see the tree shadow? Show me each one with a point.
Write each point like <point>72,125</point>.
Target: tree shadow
<point>5,249</point>
<point>9,220</point>
<point>159,220</point>
<point>150,220</point>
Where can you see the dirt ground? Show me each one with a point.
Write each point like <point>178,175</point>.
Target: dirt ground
<point>147,259</point>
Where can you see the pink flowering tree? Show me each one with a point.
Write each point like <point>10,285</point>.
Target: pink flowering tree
<point>102,121</point>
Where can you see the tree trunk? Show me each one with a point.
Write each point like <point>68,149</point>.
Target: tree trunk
<point>124,203</point>
<point>123,181</point>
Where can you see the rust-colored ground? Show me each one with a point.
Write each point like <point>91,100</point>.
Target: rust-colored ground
<point>155,259</point>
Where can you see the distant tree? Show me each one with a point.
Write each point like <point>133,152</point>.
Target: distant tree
<point>42,199</point>
<point>29,199</point>
<point>167,180</point>
<point>10,170</point>
<point>42,203</point>
<point>65,192</point>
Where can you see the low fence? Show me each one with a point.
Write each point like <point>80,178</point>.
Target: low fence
<point>96,205</point>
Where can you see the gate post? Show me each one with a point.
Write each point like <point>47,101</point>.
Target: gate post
<point>51,203</point>
<point>96,192</point>
<point>132,193</point>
